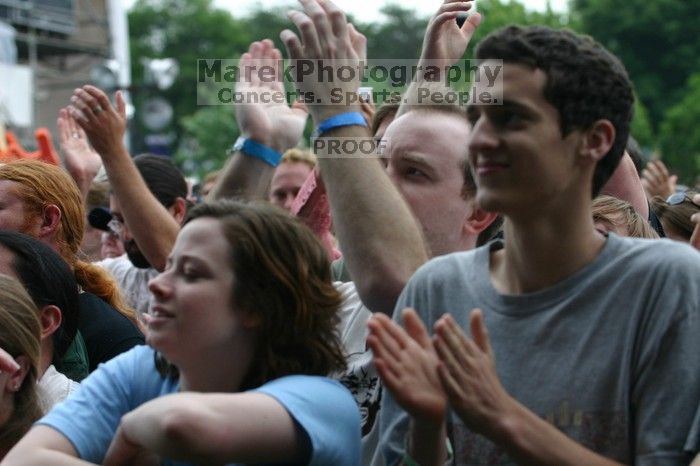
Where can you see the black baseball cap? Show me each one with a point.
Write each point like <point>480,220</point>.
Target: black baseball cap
<point>99,218</point>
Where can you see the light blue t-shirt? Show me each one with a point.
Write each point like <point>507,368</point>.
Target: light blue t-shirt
<point>89,418</point>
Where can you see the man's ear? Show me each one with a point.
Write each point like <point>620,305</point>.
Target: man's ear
<point>51,219</point>
<point>479,220</point>
<point>15,381</point>
<point>179,209</point>
<point>51,318</point>
<point>597,140</point>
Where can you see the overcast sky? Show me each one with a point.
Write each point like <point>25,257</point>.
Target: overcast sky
<point>365,10</point>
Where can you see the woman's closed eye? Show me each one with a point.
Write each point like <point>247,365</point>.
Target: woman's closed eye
<point>413,172</point>
<point>190,273</point>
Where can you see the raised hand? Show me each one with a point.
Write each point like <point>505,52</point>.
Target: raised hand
<point>407,364</point>
<point>81,161</point>
<point>326,34</point>
<point>270,121</point>
<point>468,373</point>
<point>103,124</point>
<point>445,42</point>
<point>695,238</point>
<point>657,181</point>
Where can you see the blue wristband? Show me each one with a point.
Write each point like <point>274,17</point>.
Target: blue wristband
<point>341,119</point>
<point>257,150</point>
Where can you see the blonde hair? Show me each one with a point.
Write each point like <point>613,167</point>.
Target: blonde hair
<point>39,185</point>
<point>299,155</point>
<point>619,213</point>
<point>20,335</point>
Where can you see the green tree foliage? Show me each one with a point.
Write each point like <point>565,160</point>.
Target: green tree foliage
<point>186,30</point>
<point>398,35</point>
<point>208,133</point>
<point>641,127</point>
<point>268,23</point>
<point>500,13</point>
<point>657,42</point>
<point>679,138</point>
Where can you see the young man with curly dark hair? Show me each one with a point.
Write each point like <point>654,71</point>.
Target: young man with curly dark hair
<point>592,347</point>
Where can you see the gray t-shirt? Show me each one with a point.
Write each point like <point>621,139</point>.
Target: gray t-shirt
<point>132,281</point>
<point>610,355</point>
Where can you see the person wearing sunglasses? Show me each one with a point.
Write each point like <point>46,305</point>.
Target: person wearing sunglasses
<point>675,213</point>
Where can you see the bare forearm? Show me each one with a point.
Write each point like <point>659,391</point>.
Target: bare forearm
<point>182,434</point>
<point>380,239</point>
<point>216,428</point>
<point>43,445</point>
<point>244,177</point>
<point>41,456</point>
<point>427,444</point>
<point>151,225</point>
<point>529,439</point>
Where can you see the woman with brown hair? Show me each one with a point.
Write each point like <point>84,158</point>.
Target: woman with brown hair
<point>20,332</point>
<point>245,313</point>
<point>42,201</point>
<point>675,213</point>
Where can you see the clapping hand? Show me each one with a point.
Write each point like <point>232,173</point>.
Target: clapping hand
<point>408,365</point>
<point>468,373</point>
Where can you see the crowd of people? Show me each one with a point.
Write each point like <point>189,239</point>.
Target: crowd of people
<point>501,284</point>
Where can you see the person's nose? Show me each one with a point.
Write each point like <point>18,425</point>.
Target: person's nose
<point>482,136</point>
<point>160,285</point>
<point>288,201</point>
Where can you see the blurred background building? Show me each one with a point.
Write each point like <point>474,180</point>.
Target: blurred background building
<point>50,47</point>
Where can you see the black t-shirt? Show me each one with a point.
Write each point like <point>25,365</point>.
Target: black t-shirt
<point>656,223</point>
<point>107,333</point>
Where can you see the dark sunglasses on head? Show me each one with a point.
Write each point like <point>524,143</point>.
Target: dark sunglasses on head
<point>677,198</point>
